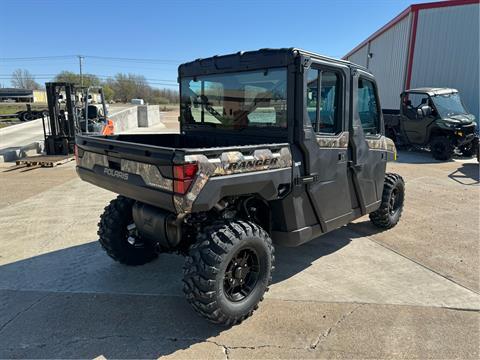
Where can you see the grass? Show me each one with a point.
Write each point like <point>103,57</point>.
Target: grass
<point>12,108</point>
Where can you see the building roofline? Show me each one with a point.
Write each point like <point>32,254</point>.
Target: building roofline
<point>405,13</point>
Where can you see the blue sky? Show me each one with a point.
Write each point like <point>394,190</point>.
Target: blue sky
<point>175,31</point>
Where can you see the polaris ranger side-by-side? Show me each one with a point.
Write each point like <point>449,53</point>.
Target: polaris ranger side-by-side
<point>276,147</point>
<point>434,118</point>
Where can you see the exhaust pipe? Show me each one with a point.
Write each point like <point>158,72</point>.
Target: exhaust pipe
<point>158,226</point>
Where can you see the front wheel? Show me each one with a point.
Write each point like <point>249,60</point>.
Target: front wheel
<point>469,149</point>
<point>228,270</point>
<point>393,196</point>
<point>442,148</point>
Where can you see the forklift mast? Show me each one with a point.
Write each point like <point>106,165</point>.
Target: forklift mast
<point>62,124</point>
<point>71,113</point>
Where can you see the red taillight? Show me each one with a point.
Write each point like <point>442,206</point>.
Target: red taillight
<point>183,177</point>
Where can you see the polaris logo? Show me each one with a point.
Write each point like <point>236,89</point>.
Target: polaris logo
<point>251,164</point>
<point>115,173</point>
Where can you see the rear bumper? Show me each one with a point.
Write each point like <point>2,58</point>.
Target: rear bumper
<point>160,199</point>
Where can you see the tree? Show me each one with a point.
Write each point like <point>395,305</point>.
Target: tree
<point>22,79</point>
<point>130,86</point>
<point>108,92</point>
<point>68,76</point>
<point>123,87</point>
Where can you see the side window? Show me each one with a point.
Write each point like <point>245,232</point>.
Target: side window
<point>367,107</point>
<point>329,102</point>
<point>412,102</point>
<point>312,96</point>
<point>323,89</point>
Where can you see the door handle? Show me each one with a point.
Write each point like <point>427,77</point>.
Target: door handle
<point>306,179</point>
<point>355,167</point>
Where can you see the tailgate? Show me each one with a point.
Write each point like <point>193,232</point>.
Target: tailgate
<point>138,171</point>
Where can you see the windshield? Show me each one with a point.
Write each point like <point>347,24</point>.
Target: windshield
<point>449,104</point>
<point>236,100</point>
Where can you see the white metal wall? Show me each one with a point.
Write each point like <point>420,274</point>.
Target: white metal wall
<point>360,56</point>
<point>388,62</point>
<point>447,51</point>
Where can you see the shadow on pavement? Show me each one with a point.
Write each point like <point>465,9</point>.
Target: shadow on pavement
<point>91,306</point>
<point>420,156</point>
<point>467,174</point>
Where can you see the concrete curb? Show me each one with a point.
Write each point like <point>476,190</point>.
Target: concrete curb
<point>12,128</point>
<point>14,154</point>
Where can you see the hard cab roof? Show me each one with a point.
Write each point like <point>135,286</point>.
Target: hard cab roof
<point>431,91</point>
<point>244,60</point>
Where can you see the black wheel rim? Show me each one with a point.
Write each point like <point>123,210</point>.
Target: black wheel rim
<point>132,237</point>
<point>241,275</point>
<point>395,202</point>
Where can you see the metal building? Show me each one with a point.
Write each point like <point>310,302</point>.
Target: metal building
<point>22,95</point>
<point>431,44</point>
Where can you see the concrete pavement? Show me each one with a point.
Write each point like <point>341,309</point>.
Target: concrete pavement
<point>353,293</point>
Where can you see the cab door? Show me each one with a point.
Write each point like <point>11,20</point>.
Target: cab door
<point>368,152</point>
<point>326,140</point>
<point>415,126</point>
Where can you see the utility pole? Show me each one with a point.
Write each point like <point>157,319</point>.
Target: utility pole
<point>80,60</point>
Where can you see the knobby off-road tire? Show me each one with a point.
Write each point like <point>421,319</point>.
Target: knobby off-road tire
<point>442,148</point>
<point>393,196</point>
<point>470,149</point>
<point>212,279</point>
<point>114,234</point>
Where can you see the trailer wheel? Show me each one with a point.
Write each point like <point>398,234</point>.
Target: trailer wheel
<point>22,116</point>
<point>442,148</point>
<point>228,270</point>
<point>393,196</point>
<point>118,237</point>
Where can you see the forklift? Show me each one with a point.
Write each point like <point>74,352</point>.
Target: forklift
<point>72,110</point>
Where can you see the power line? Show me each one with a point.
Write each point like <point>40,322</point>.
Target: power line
<point>134,59</point>
<point>39,58</point>
<point>109,58</point>
<point>46,76</point>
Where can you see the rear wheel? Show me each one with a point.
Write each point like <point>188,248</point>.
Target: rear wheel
<point>442,148</point>
<point>228,271</point>
<point>393,196</point>
<point>119,237</point>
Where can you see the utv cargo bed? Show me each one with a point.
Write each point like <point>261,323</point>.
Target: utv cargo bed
<point>142,167</point>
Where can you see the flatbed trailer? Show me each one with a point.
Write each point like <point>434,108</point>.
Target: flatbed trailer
<point>25,115</point>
